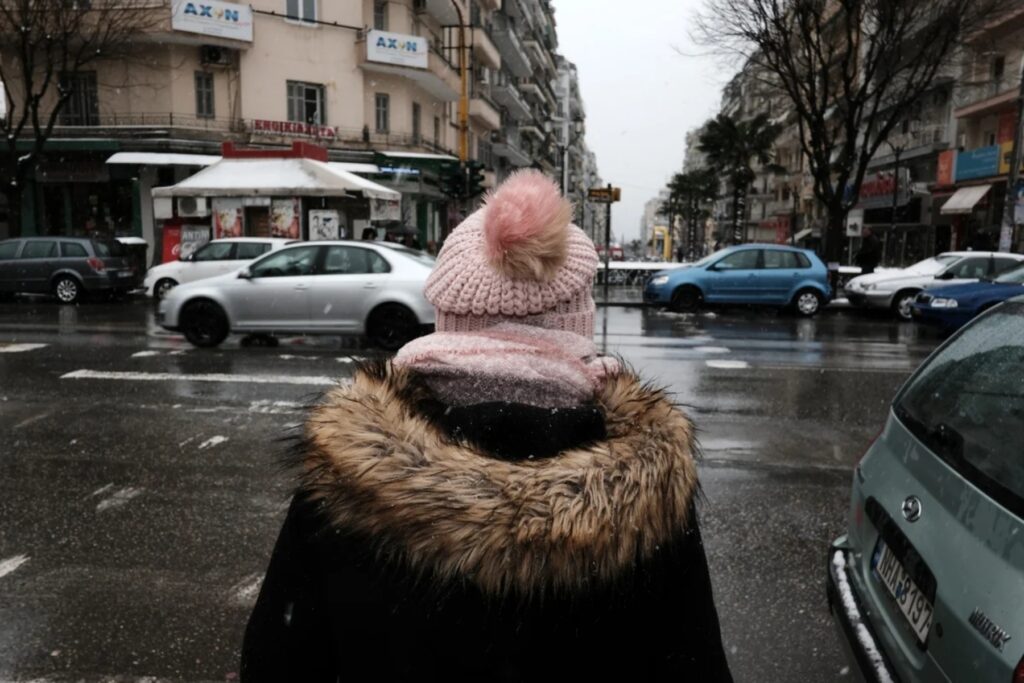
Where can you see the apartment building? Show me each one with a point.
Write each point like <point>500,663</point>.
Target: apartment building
<point>377,82</point>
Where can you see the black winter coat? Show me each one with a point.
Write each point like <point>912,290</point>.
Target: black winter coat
<point>494,542</point>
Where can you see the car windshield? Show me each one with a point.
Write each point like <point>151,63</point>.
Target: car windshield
<point>967,405</point>
<point>930,266</point>
<point>1014,277</point>
<point>421,257</point>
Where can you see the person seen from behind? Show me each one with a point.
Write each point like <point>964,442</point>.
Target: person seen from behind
<point>870,253</point>
<point>499,502</point>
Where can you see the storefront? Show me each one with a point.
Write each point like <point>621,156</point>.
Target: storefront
<point>291,194</point>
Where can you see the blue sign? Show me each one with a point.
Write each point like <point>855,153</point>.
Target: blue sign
<point>977,163</point>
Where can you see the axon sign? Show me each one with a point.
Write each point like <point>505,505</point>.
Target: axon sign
<point>396,48</point>
<point>210,18</point>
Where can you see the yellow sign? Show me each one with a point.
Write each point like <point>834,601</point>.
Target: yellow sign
<point>604,195</point>
<point>1005,152</point>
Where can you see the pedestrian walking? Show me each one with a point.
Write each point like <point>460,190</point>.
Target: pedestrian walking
<point>499,502</point>
<point>870,253</point>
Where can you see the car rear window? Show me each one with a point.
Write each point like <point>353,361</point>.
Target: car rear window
<point>967,405</point>
<point>102,249</point>
<point>72,250</point>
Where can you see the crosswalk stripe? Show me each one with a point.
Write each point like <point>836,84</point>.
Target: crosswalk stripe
<point>20,348</point>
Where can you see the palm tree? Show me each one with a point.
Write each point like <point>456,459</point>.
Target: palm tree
<point>731,147</point>
<point>688,193</point>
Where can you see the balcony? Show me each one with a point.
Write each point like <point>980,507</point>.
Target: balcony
<point>484,49</point>
<point>980,98</point>
<point>505,143</point>
<point>483,111</point>
<point>512,53</point>
<point>440,78</point>
<point>541,57</point>
<point>506,94</point>
<point>442,11</point>
<point>162,124</point>
<point>531,129</point>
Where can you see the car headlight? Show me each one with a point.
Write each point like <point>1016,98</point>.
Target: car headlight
<point>944,303</point>
<point>659,281</point>
<point>868,287</point>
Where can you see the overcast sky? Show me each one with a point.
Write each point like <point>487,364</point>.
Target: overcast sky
<point>641,95</point>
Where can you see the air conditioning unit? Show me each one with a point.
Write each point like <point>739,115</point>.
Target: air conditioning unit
<point>193,207</point>
<point>213,55</point>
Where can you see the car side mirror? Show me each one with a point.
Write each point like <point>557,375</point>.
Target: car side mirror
<point>245,274</point>
<point>948,275</point>
<point>187,257</point>
<point>713,266</point>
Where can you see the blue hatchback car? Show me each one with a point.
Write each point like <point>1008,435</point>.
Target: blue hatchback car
<point>768,274</point>
<point>953,307</point>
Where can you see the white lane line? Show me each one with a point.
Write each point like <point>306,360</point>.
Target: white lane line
<point>711,349</point>
<point>20,348</point>
<point>212,441</point>
<point>727,364</point>
<point>145,354</point>
<point>120,497</point>
<point>11,563</point>
<point>245,591</point>
<point>266,406</point>
<point>101,490</point>
<point>209,377</point>
<point>35,418</point>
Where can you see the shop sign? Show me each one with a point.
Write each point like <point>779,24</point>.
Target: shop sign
<point>877,190</point>
<point>854,222</point>
<point>293,129</point>
<point>945,171</point>
<point>192,238</point>
<point>1007,124</point>
<point>396,48</point>
<point>228,219</point>
<point>385,209</point>
<point>400,170</point>
<point>780,224</point>
<point>325,225</point>
<point>213,18</point>
<point>977,163</point>
<point>1006,158</point>
<point>284,218</point>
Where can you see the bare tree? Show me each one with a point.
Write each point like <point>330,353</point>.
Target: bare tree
<point>45,45</point>
<point>852,70</point>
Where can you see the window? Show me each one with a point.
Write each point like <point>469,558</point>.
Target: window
<point>998,67</point>
<point>380,15</point>
<point>484,154</point>
<point>739,260</point>
<point>204,95</point>
<point>353,261</point>
<point>306,103</point>
<point>416,123</point>
<point>966,404</point>
<point>437,132</point>
<point>774,259</point>
<point>382,101</point>
<point>295,261</point>
<point>72,250</point>
<point>39,249</point>
<point>8,249</point>
<point>214,251</point>
<point>1003,264</point>
<point>302,10</point>
<point>249,250</point>
<point>82,106</point>
<point>973,268</point>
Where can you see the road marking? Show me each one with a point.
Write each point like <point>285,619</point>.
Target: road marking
<point>212,441</point>
<point>245,591</point>
<point>727,364</point>
<point>120,497</point>
<point>711,349</point>
<point>35,418</point>
<point>20,348</point>
<point>209,377</point>
<point>145,354</point>
<point>11,563</point>
<point>101,490</point>
<point>266,406</point>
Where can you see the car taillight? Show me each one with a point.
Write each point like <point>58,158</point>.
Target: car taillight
<point>1018,673</point>
<point>96,264</point>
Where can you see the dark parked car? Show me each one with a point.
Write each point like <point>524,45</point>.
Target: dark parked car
<point>66,267</point>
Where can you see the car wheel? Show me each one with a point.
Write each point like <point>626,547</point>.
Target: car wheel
<point>204,323</point>
<point>808,302</point>
<point>391,326</point>
<point>67,290</point>
<point>903,304</point>
<point>686,299</point>
<point>163,286</point>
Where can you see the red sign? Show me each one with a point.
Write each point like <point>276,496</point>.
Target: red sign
<point>309,130</point>
<point>780,224</point>
<point>945,169</point>
<point>171,242</point>
<point>1007,121</point>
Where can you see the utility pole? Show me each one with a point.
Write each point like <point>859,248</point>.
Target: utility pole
<point>1010,205</point>
<point>608,241</point>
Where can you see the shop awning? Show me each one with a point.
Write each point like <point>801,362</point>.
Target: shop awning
<point>806,232</point>
<point>420,155</point>
<point>964,199</point>
<point>275,177</point>
<point>161,159</point>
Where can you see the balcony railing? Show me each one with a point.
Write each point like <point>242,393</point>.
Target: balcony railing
<point>968,93</point>
<point>149,121</point>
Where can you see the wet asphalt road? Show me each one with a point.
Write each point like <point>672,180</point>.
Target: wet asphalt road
<point>139,499</point>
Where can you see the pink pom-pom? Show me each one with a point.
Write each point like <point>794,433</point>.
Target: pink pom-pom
<point>525,226</point>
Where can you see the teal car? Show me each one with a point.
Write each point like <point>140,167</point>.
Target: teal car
<point>927,584</point>
<point>756,274</point>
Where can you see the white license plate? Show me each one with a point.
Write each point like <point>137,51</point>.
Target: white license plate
<point>125,273</point>
<point>913,604</point>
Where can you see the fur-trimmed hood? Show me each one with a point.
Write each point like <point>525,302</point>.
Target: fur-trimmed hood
<point>382,469</point>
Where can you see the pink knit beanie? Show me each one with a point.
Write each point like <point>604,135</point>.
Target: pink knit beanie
<point>516,259</point>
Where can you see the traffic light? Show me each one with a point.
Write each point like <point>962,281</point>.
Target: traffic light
<point>450,180</point>
<point>474,178</point>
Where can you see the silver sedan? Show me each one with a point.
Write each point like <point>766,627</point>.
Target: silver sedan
<point>336,287</point>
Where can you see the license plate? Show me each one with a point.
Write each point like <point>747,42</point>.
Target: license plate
<point>125,273</point>
<point>913,604</point>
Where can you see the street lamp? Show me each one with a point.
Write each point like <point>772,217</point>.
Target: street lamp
<point>572,136</point>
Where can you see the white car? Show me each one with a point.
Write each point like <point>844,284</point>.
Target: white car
<point>212,259</point>
<point>322,287</point>
<point>895,289</point>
